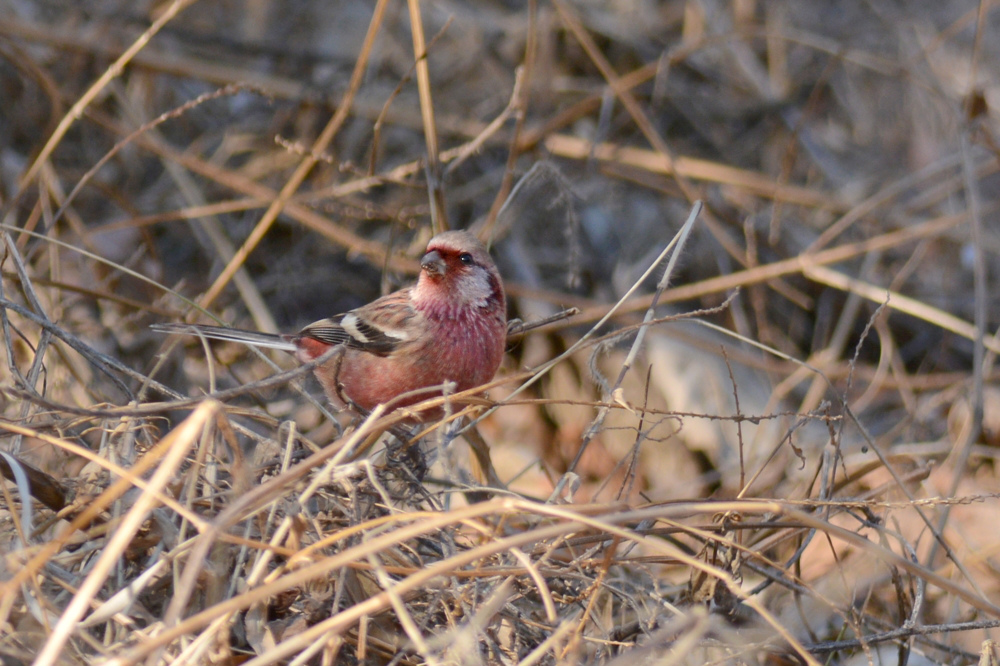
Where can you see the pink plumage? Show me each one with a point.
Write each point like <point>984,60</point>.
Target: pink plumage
<point>450,326</point>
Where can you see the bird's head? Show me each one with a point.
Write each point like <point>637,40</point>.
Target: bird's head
<point>458,269</point>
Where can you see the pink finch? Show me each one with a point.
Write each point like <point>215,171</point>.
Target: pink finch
<point>450,326</point>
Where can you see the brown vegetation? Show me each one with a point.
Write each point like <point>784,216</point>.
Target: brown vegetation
<point>786,455</point>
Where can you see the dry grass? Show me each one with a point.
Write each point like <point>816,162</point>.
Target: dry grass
<point>789,455</point>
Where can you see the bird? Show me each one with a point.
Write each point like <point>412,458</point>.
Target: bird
<point>450,326</point>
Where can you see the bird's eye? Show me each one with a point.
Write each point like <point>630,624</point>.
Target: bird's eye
<point>466,258</point>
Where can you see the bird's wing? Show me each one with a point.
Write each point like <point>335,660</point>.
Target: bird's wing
<point>382,327</point>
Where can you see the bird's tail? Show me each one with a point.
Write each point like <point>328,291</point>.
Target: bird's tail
<point>252,338</point>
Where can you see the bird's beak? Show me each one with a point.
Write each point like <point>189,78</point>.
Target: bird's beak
<point>433,263</point>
